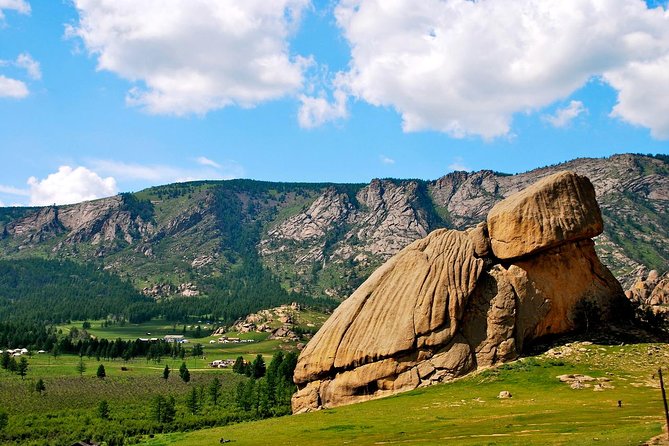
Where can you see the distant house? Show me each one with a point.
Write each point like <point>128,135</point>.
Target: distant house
<point>222,363</point>
<point>174,338</point>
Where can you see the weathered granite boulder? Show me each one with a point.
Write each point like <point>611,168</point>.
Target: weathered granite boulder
<point>651,291</point>
<point>445,305</point>
<point>558,209</point>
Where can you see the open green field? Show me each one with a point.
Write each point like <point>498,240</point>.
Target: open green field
<point>158,329</point>
<point>543,410</point>
<point>67,409</point>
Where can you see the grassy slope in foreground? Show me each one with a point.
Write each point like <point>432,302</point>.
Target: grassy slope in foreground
<point>467,412</point>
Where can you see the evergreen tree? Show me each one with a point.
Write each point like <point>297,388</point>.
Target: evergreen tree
<point>158,408</point>
<point>22,368</point>
<point>238,366</point>
<point>184,373</point>
<point>81,367</point>
<point>101,373</point>
<point>197,350</point>
<point>258,367</point>
<point>103,410</point>
<point>39,386</point>
<point>214,390</point>
<point>13,366</point>
<point>191,401</point>
<point>246,395</point>
<point>263,405</point>
<point>166,372</point>
<point>169,410</point>
<point>4,419</point>
<point>4,362</point>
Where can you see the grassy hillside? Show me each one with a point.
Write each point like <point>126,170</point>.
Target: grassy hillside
<point>543,410</point>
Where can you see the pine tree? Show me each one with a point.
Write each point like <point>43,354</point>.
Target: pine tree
<point>101,373</point>
<point>238,366</point>
<point>22,368</point>
<point>191,401</point>
<point>214,390</point>
<point>39,386</point>
<point>4,362</point>
<point>166,372</point>
<point>184,373</point>
<point>81,367</point>
<point>103,410</point>
<point>258,367</point>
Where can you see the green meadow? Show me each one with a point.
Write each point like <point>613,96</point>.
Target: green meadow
<point>542,409</point>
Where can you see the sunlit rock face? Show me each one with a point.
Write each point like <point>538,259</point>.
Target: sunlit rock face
<point>456,301</point>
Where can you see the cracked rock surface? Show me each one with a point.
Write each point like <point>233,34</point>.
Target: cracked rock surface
<point>455,301</point>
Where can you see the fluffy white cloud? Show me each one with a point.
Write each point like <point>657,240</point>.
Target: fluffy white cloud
<point>564,116</point>
<point>70,185</point>
<point>12,88</point>
<point>644,95</point>
<point>465,67</point>
<point>193,56</point>
<point>157,173</point>
<point>20,6</point>
<point>316,111</point>
<point>386,160</point>
<point>32,67</point>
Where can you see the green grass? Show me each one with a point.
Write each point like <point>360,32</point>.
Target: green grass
<point>66,410</point>
<point>467,412</point>
<point>159,328</point>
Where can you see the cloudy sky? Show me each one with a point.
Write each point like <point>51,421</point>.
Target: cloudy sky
<point>102,96</point>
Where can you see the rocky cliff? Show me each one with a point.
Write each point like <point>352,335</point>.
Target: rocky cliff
<point>456,300</point>
<point>321,239</point>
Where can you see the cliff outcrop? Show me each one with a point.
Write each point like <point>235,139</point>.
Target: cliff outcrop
<point>455,301</point>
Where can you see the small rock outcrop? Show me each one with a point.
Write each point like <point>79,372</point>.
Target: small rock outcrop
<point>455,301</point>
<point>651,291</point>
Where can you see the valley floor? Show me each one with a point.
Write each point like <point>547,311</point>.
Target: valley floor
<point>542,410</point>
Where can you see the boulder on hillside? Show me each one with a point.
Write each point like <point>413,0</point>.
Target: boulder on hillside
<point>445,305</point>
<point>651,291</point>
<point>557,209</point>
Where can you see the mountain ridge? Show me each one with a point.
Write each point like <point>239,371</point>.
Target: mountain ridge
<point>321,239</point>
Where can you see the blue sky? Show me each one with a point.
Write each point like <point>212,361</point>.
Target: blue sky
<point>98,97</point>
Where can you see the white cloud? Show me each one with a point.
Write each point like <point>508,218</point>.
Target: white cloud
<point>564,116</point>
<point>70,185</point>
<point>207,162</point>
<point>385,160</point>
<point>29,64</point>
<point>194,56</point>
<point>466,67</point>
<point>316,111</point>
<point>12,88</point>
<point>158,173</point>
<point>643,97</point>
<point>13,190</point>
<point>20,6</point>
<point>459,165</point>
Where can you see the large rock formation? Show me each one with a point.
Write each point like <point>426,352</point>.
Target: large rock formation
<point>455,301</point>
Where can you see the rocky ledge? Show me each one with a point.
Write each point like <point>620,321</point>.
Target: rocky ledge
<point>456,301</point>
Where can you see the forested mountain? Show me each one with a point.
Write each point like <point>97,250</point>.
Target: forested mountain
<point>209,246</point>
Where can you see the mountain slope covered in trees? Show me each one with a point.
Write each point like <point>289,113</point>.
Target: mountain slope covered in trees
<point>208,246</point>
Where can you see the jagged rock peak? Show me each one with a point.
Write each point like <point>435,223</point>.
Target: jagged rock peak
<point>444,305</point>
